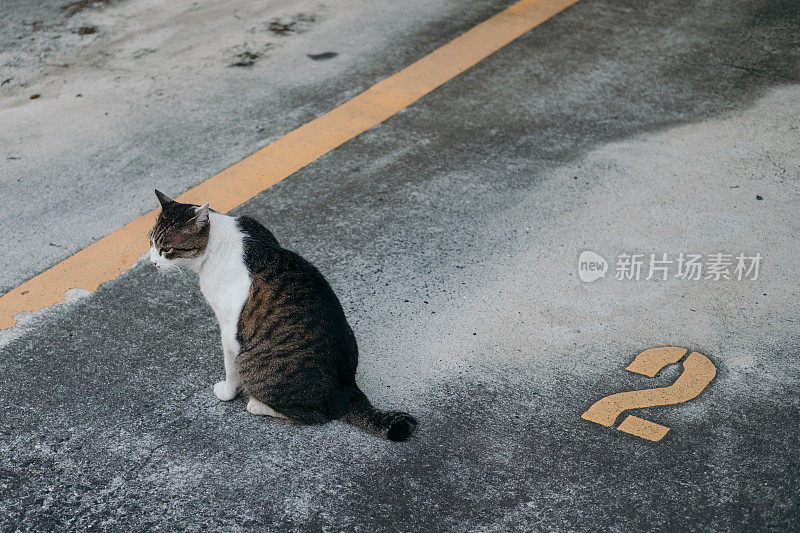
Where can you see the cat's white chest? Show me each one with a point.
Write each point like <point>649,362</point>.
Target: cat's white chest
<point>224,279</point>
<point>226,293</point>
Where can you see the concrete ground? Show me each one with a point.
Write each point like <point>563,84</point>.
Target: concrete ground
<point>451,233</point>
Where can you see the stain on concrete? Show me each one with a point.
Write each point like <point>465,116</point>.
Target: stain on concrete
<point>245,59</point>
<point>298,23</point>
<point>323,55</point>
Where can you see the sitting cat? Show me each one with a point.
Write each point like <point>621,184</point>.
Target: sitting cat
<point>285,338</point>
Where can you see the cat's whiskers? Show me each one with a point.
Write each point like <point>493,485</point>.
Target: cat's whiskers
<point>182,274</point>
<point>172,271</point>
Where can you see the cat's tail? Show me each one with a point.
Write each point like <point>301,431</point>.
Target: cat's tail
<point>393,425</point>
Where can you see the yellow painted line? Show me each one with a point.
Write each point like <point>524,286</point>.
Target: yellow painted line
<point>110,256</point>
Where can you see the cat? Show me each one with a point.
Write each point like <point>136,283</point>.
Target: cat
<point>285,339</point>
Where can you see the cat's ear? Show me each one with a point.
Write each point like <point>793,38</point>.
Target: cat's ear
<point>201,216</point>
<point>163,199</point>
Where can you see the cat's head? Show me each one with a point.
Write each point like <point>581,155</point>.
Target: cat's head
<point>180,235</point>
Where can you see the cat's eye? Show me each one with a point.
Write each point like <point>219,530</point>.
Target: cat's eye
<point>164,251</point>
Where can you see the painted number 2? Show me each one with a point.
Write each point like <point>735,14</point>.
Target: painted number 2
<point>698,371</point>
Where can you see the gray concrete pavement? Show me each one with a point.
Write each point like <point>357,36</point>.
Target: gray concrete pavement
<point>451,233</point>
<point>161,104</point>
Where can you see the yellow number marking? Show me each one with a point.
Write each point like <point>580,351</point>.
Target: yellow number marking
<point>698,371</point>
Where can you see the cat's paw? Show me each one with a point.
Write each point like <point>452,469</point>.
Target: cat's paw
<point>225,391</point>
<point>254,407</point>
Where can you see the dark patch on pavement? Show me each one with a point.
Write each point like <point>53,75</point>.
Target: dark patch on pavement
<point>245,59</point>
<point>296,24</point>
<point>279,28</point>
<point>323,55</point>
<point>85,30</point>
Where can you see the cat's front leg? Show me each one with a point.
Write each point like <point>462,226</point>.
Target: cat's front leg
<point>228,389</point>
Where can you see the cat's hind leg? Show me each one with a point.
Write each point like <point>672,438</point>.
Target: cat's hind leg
<point>254,407</point>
